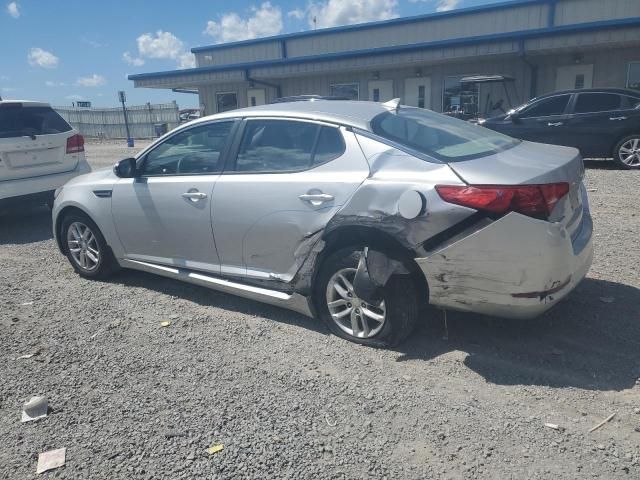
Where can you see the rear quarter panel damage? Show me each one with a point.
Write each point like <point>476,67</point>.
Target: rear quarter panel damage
<point>513,255</point>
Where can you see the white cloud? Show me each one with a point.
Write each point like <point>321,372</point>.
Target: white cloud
<point>446,5</point>
<point>4,77</point>
<point>160,45</point>
<point>74,97</point>
<point>131,60</point>
<point>298,13</point>
<point>332,13</point>
<point>13,9</point>
<point>49,83</point>
<point>38,57</point>
<point>163,45</point>
<point>94,80</point>
<point>186,60</point>
<point>9,89</point>
<point>263,21</point>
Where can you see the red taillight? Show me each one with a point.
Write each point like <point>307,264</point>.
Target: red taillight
<point>75,144</point>
<point>535,201</point>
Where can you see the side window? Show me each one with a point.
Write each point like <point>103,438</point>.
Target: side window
<point>547,107</point>
<point>630,102</point>
<point>193,151</point>
<point>597,102</point>
<point>329,147</point>
<point>276,145</point>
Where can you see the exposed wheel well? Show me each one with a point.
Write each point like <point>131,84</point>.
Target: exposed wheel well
<point>361,236</point>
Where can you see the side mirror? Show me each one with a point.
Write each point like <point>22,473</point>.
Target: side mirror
<point>125,168</point>
<point>515,117</point>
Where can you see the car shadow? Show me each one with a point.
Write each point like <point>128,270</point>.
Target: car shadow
<point>20,225</point>
<point>211,298</point>
<point>590,340</point>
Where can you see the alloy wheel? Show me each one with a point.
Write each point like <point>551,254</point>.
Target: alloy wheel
<point>351,314</point>
<point>629,152</point>
<point>83,246</point>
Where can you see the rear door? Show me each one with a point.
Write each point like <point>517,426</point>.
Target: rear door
<point>33,141</point>
<point>544,121</point>
<point>287,180</point>
<point>596,123</point>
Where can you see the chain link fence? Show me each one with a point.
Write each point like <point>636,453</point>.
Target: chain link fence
<point>109,122</point>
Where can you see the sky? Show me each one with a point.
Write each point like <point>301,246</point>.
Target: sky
<point>63,51</point>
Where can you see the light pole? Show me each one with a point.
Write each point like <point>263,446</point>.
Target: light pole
<point>122,97</point>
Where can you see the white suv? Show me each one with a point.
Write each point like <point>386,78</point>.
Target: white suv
<point>39,152</point>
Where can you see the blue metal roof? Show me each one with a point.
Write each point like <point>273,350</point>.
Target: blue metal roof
<point>454,42</point>
<point>381,23</point>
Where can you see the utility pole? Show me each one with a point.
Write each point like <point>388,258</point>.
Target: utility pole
<point>122,97</point>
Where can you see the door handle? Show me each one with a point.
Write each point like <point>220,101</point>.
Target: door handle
<point>555,124</point>
<point>316,198</point>
<point>617,118</point>
<point>194,196</point>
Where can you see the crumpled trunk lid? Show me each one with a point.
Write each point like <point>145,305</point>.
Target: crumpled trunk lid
<point>531,163</point>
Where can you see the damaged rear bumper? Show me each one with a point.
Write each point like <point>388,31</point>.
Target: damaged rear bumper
<point>516,267</point>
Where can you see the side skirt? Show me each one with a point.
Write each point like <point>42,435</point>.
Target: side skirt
<point>295,301</point>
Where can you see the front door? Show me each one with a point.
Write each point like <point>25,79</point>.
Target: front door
<point>417,92</point>
<point>380,90</point>
<point>288,179</point>
<point>543,121</point>
<point>164,215</point>
<point>570,77</point>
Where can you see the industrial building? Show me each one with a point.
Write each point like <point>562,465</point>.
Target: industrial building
<point>545,45</point>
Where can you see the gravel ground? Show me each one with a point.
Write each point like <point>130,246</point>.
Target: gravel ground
<point>131,399</point>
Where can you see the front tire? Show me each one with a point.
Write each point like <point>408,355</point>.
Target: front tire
<point>627,152</point>
<point>86,248</point>
<point>383,325</point>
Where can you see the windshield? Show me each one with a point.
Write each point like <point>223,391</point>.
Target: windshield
<point>19,121</point>
<point>442,137</point>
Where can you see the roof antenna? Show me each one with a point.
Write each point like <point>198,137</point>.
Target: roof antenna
<point>392,104</point>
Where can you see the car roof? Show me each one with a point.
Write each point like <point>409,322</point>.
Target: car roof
<point>619,91</point>
<point>353,113</point>
<point>25,103</point>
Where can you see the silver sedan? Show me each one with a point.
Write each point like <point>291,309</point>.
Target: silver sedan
<point>354,212</point>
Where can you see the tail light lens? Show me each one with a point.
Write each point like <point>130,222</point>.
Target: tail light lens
<point>535,201</point>
<point>75,144</point>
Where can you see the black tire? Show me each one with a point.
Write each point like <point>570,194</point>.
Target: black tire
<point>617,154</point>
<point>399,295</point>
<point>106,264</point>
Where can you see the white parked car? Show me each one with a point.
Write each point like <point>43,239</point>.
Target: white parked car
<point>39,152</point>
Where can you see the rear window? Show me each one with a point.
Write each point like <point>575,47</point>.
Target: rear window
<point>19,121</point>
<point>444,138</point>
<point>597,102</point>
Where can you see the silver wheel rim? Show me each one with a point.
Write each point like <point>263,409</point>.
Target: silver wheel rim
<point>352,315</point>
<point>83,246</point>
<point>629,152</point>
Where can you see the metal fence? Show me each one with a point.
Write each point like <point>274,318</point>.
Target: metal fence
<point>109,122</point>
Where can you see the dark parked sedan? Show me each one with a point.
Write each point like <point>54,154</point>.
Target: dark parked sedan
<point>601,123</point>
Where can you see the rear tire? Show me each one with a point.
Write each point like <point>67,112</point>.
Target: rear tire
<point>399,306</point>
<point>627,152</point>
<point>85,247</point>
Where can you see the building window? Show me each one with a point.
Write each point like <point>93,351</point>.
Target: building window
<point>579,81</point>
<point>226,101</point>
<point>633,75</point>
<point>376,94</point>
<point>346,90</point>
<point>459,99</point>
